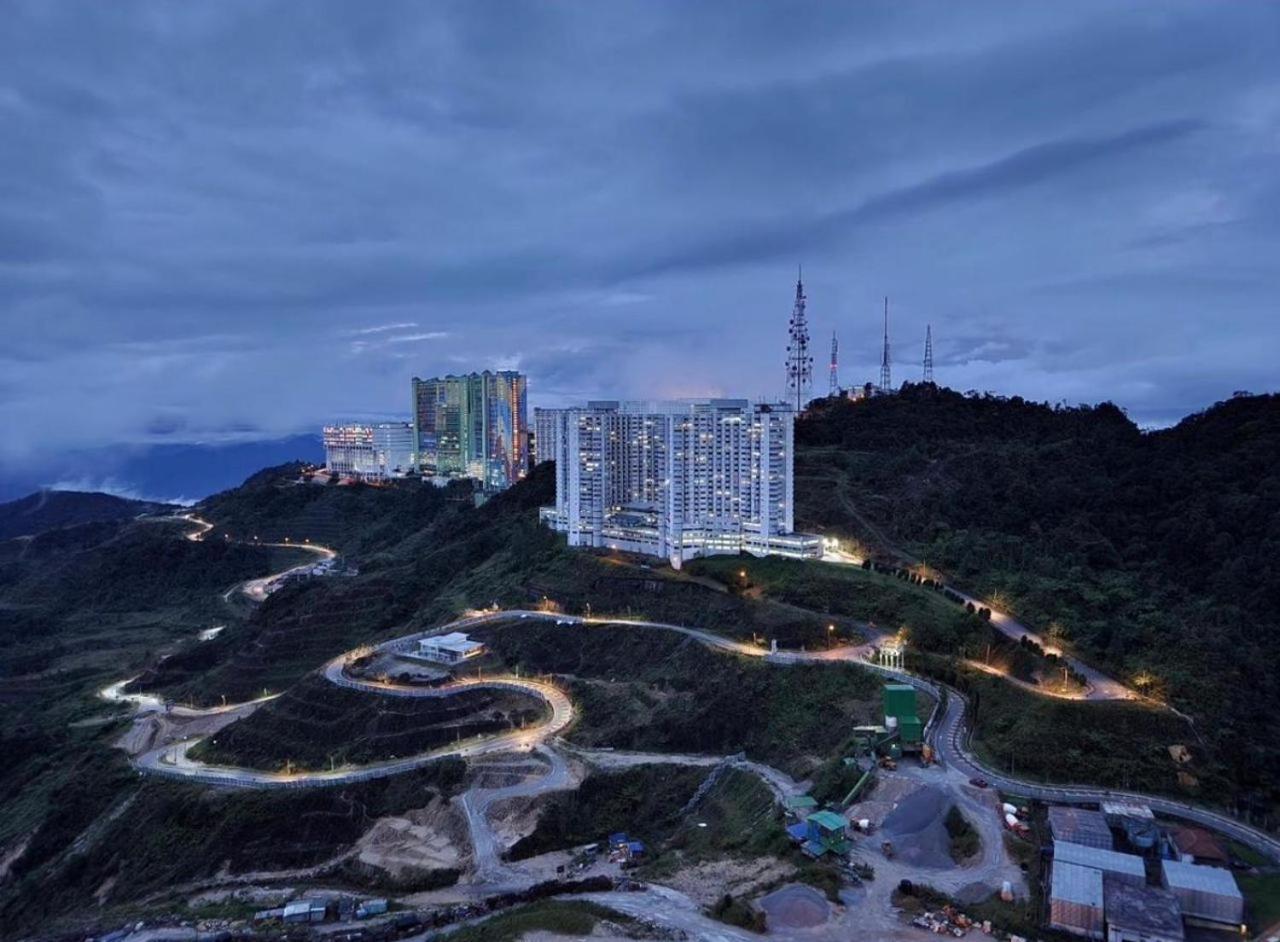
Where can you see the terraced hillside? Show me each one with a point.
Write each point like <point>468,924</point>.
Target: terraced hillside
<point>654,690</point>
<point>316,725</point>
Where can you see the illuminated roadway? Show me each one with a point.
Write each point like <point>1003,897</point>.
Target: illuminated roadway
<point>948,732</point>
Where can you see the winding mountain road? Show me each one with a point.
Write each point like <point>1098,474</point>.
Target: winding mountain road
<point>948,732</point>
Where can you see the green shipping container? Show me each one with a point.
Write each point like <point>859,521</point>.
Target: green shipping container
<point>900,701</point>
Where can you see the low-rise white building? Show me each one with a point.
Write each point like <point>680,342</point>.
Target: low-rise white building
<point>453,648</point>
<point>676,479</point>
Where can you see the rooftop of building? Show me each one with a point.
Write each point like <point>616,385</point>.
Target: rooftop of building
<point>1197,842</point>
<point>1079,826</point>
<point>1073,883</point>
<point>1144,910</point>
<point>1097,858</point>
<point>454,641</point>
<point>829,820</point>
<point>1127,809</point>
<point>1189,876</point>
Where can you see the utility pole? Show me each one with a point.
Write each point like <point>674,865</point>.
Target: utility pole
<point>928,353</point>
<point>886,375</point>
<point>799,362</point>
<point>835,375</point>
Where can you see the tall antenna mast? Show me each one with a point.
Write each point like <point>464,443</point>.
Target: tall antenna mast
<point>928,353</point>
<point>799,363</point>
<point>835,358</point>
<point>886,377</point>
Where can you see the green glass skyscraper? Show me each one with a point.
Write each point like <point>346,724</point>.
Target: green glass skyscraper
<point>472,426</point>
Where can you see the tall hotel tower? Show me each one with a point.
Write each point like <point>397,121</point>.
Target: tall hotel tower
<point>677,479</point>
<point>471,426</point>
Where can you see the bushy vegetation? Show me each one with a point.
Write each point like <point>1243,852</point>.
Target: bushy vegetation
<point>170,833</point>
<point>648,803</point>
<point>1153,554</point>
<point>656,690</point>
<point>51,510</point>
<point>1117,745</point>
<point>566,918</point>
<point>316,725</point>
<point>964,838</point>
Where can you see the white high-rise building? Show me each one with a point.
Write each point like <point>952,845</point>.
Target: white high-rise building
<point>546,435</point>
<point>379,450</point>
<point>678,479</point>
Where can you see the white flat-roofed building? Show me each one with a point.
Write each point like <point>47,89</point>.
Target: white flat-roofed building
<point>677,479</point>
<point>1076,899</point>
<point>1207,894</point>
<point>453,648</point>
<point>1125,867</point>
<point>369,450</point>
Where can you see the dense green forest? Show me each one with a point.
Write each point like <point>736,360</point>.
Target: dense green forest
<point>1154,554</point>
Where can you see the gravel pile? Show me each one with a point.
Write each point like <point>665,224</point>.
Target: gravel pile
<point>918,830</point>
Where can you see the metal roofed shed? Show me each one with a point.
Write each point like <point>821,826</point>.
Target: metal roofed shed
<point>1141,913</point>
<point>1076,899</point>
<point>1125,867</point>
<point>1205,893</point>
<point>1079,826</point>
<point>1196,845</point>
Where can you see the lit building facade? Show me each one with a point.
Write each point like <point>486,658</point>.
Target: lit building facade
<point>378,450</point>
<point>678,479</point>
<point>471,426</point>
<point>546,434</point>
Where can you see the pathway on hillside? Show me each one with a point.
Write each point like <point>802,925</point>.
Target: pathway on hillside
<point>949,732</point>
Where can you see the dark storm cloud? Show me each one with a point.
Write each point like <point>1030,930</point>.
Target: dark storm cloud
<point>1023,168</point>
<point>240,220</point>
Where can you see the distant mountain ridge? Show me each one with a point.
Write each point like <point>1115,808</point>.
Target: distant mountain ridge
<point>50,510</point>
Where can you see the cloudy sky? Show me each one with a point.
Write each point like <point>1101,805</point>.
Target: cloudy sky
<point>234,221</point>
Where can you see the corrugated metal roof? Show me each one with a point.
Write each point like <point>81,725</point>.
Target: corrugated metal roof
<point>1073,883</point>
<point>1079,826</point>
<point>1189,876</point>
<point>1143,910</point>
<point>829,820</point>
<point>1098,859</point>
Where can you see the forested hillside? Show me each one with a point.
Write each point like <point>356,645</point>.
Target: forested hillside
<point>1152,554</point>
<point>47,510</point>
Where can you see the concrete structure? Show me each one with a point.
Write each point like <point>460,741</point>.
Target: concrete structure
<point>471,426</point>
<point>891,653</point>
<point>1076,899</point>
<point>1206,894</point>
<point>1141,913</point>
<point>372,451</point>
<point>1078,826</point>
<point>1124,867</point>
<point>453,648</point>
<point>546,434</point>
<point>678,479</point>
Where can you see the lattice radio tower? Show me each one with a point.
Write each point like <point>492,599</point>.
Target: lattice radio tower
<point>928,353</point>
<point>835,373</point>
<point>799,362</point>
<point>886,373</point>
